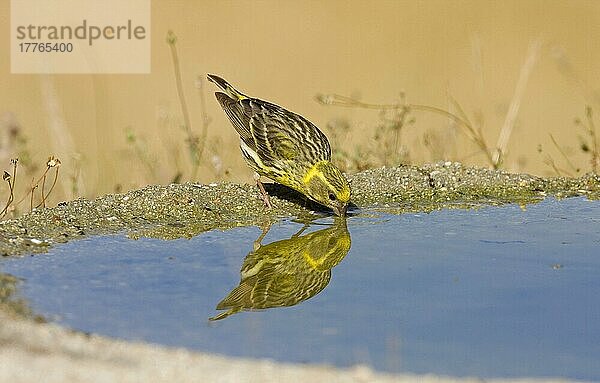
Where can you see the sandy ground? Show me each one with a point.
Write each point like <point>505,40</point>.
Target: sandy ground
<point>33,351</point>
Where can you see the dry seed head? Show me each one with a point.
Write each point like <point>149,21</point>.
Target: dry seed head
<point>6,176</point>
<point>324,99</point>
<point>53,162</point>
<point>171,38</point>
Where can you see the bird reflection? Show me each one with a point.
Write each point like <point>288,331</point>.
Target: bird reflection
<point>287,272</point>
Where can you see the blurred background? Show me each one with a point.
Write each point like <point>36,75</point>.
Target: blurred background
<point>502,84</point>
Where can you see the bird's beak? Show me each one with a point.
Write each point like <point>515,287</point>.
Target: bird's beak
<point>340,209</point>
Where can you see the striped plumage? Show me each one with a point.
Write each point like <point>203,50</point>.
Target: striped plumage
<point>287,272</point>
<point>284,147</point>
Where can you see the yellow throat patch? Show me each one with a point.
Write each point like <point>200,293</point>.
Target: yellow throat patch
<point>315,171</point>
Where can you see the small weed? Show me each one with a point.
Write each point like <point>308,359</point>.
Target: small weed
<point>173,169</point>
<point>194,142</point>
<point>394,119</point>
<point>52,163</point>
<point>588,144</point>
<point>389,149</point>
<point>140,148</point>
<point>11,186</point>
<point>206,120</point>
<point>393,122</point>
<point>549,161</point>
<point>387,136</point>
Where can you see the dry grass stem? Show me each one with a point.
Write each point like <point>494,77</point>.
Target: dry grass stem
<point>564,155</point>
<point>461,121</point>
<point>192,140</point>
<point>205,118</point>
<point>52,163</point>
<point>591,130</point>
<point>11,186</point>
<point>473,131</point>
<point>533,54</point>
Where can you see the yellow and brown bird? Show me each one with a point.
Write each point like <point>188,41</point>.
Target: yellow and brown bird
<point>287,272</point>
<point>285,147</point>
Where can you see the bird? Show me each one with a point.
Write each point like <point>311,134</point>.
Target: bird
<point>287,272</point>
<point>285,147</point>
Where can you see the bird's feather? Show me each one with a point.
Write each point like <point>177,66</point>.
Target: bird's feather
<point>273,132</point>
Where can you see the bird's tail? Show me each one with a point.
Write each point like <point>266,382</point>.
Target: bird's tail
<point>226,87</point>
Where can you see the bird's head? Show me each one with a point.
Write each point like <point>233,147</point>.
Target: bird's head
<point>325,184</point>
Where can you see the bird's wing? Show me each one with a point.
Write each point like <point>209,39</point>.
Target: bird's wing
<point>273,132</point>
<point>236,114</point>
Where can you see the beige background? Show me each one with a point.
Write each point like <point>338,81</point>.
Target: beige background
<point>92,54</point>
<point>287,52</point>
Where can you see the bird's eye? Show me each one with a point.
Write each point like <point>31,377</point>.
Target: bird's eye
<point>332,196</point>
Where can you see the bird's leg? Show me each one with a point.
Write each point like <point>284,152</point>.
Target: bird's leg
<point>265,230</point>
<point>263,192</point>
<point>306,226</point>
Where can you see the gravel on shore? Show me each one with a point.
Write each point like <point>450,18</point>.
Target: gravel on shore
<point>185,210</point>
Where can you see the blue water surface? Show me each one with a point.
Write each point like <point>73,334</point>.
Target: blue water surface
<point>492,292</point>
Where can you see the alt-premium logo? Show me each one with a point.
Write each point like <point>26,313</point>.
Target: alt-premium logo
<point>82,31</point>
